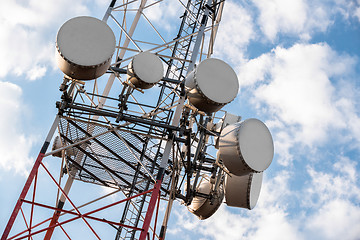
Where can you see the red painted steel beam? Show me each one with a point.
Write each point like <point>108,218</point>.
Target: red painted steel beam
<point>23,215</point>
<point>29,180</point>
<point>20,233</point>
<point>72,204</point>
<point>156,217</point>
<point>150,210</point>
<point>23,194</point>
<point>32,207</point>
<point>86,215</point>
<point>77,215</point>
<point>65,232</point>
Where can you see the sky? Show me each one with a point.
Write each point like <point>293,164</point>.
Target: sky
<point>298,68</point>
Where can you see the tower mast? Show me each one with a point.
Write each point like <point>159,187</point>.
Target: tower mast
<point>87,124</point>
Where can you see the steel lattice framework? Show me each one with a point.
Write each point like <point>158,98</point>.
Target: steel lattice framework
<point>119,137</point>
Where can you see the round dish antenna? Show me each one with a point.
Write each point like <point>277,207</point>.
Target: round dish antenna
<point>85,46</point>
<point>204,207</point>
<point>246,147</point>
<point>243,191</point>
<point>145,70</point>
<point>211,85</point>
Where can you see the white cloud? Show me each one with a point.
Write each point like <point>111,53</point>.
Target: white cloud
<point>332,196</point>
<point>351,114</point>
<point>28,31</point>
<point>165,10</point>
<point>348,9</point>
<point>15,146</point>
<point>281,16</point>
<point>283,142</point>
<point>274,224</point>
<point>357,13</point>
<point>299,90</point>
<point>254,70</point>
<point>324,209</point>
<point>36,72</point>
<point>301,18</point>
<point>235,32</point>
<point>335,220</point>
<point>327,186</point>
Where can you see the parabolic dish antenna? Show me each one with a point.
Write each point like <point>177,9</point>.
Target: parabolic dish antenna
<point>203,207</point>
<point>85,46</point>
<point>211,85</point>
<point>243,191</point>
<point>246,147</point>
<point>145,70</point>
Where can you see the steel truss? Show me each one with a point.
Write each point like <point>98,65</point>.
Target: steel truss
<point>146,148</point>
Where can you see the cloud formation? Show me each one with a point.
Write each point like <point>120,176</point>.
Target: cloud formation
<point>28,31</point>
<point>281,16</point>
<point>299,89</point>
<point>327,211</point>
<point>301,18</point>
<point>236,30</point>
<point>164,10</point>
<point>15,145</point>
<point>332,196</point>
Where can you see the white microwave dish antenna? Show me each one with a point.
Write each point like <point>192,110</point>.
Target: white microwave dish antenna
<point>202,207</point>
<point>145,70</point>
<point>85,46</point>
<point>211,85</point>
<point>246,147</point>
<point>243,191</point>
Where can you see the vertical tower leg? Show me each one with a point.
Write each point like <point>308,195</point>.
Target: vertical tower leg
<point>30,179</point>
<point>151,207</point>
<point>60,205</point>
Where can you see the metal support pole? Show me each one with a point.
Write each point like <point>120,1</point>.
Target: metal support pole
<point>150,210</point>
<point>122,52</point>
<point>101,102</point>
<point>62,200</point>
<point>175,122</point>
<point>31,177</point>
<point>108,11</point>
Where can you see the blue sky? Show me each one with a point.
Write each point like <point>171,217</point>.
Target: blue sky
<point>298,68</point>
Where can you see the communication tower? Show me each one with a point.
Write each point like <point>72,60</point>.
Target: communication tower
<point>140,113</point>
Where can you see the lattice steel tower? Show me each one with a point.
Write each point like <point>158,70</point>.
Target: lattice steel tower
<point>139,114</point>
